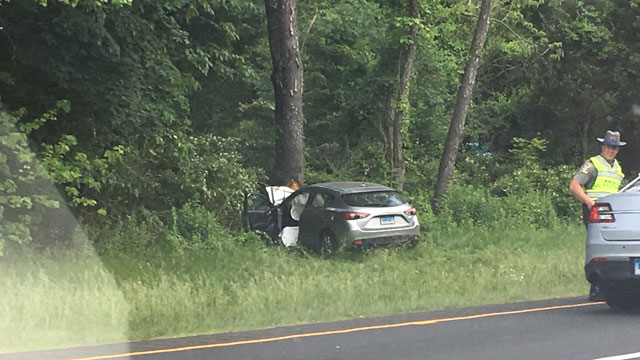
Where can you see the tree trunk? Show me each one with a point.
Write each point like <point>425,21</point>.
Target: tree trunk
<point>396,118</point>
<point>448,160</point>
<point>287,79</point>
<point>583,121</point>
<point>584,136</point>
<point>389,140</point>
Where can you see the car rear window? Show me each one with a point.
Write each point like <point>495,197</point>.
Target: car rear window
<point>633,186</point>
<point>374,199</point>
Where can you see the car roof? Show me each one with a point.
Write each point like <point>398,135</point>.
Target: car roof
<point>346,187</point>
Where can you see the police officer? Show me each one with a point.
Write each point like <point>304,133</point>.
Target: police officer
<point>600,175</point>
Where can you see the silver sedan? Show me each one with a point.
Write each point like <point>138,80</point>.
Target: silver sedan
<point>612,259</point>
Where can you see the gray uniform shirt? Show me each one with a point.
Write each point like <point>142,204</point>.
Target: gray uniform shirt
<point>587,175</point>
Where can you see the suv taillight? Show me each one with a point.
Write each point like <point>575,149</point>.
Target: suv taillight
<point>601,213</point>
<point>353,215</point>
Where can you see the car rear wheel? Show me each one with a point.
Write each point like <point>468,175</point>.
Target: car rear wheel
<point>328,243</point>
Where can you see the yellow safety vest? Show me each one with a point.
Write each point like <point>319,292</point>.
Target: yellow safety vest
<point>608,179</point>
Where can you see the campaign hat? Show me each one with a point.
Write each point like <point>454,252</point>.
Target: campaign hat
<point>612,138</point>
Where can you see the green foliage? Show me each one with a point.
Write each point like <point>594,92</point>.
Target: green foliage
<point>363,162</point>
<point>74,3</point>
<point>533,208</point>
<point>168,122</point>
<point>29,171</point>
<point>511,190</point>
<point>547,91</point>
<point>466,206</point>
<point>188,227</point>
<point>20,173</point>
<point>210,171</point>
<point>188,203</point>
<point>169,103</point>
<point>126,146</point>
<point>130,235</point>
<point>199,229</point>
<point>524,173</point>
<point>79,175</point>
<point>205,169</point>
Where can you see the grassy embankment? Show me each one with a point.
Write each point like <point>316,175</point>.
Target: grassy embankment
<point>49,303</point>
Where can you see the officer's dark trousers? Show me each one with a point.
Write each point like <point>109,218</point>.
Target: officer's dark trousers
<point>585,215</point>
<point>593,291</point>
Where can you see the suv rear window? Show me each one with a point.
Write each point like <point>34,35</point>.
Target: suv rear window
<point>373,199</point>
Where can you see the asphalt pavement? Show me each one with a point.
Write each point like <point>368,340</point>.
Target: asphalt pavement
<point>568,328</point>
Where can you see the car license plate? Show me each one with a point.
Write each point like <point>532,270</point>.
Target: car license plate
<point>636,266</point>
<point>387,220</point>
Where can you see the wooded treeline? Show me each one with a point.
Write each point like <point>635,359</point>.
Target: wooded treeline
<point>159,112</point>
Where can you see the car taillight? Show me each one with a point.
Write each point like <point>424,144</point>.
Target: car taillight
<point>410,211</point>
<point>601,213</point>
<point>354,215</point>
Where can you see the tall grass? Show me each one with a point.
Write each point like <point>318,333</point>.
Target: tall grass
<point>248,286</point>
<point>61,301</point>
<point>254,287</point>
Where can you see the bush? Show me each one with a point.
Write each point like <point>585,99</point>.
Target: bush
<point>532,208</point>
<point>180,169</point>
<point>465,205</point>
<point>469,206</point>
<point>198,228</point>
<point>189,227</point>
<point>131,235</point>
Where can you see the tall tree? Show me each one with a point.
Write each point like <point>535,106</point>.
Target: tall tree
<point>401,104</point>
<point>461,108</point>
<point>287,79</point>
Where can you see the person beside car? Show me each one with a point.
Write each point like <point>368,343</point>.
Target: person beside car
<point>599,176</point>
<point>293,184</point>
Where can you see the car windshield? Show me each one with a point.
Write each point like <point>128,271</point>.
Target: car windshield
<point>374,199</point>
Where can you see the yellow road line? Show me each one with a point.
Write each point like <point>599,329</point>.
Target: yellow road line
<point>335,332</point>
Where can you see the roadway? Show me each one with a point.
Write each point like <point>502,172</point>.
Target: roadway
<point>569,328</point>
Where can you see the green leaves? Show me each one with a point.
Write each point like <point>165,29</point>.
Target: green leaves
<point>19,173</point>
<point>168,102</point>
<point>64,105</point>
<point>74,3</point>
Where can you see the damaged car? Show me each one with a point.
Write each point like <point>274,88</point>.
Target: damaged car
<point>327,217</point>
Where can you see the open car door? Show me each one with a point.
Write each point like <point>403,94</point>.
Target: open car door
<point>258,213</point>
<point>262,211</point>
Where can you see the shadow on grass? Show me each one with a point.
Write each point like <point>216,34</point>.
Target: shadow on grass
<point>353,254</point>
